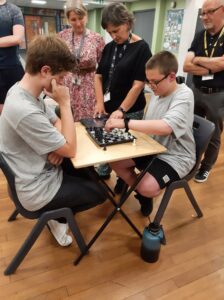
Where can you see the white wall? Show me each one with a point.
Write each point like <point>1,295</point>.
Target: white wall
<point>188,30</point>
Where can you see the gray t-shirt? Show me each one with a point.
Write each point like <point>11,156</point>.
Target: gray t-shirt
<point>177,110</point>
<point>27,135</point>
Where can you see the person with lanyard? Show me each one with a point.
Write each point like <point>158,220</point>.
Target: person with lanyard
<point>120,76</point>
<point>87,47</point>
<point>205,61</point>
<point>11,35</point>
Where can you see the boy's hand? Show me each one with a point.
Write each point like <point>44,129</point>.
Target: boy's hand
<point>114,123</point>
<point>59,93</point>
<point>54,158</point>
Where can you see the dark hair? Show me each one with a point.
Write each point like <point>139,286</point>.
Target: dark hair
<point>116,14</point>
<point>51,51</point>
<point>165,61</point>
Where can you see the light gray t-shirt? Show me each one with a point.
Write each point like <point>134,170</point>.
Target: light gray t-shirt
<point>177,110</point>
<point>27,135</point>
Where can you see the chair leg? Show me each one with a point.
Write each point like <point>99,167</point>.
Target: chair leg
<point>76,232</point>
<point>27,245</point>
<point>163,205</point>
<point>13,216</point>
<point>193,200</point>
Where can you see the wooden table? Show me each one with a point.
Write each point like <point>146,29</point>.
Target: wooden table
<point>89,154</point>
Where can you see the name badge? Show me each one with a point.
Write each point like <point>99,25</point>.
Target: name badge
<point>107,97</point>
<point>208,77</point>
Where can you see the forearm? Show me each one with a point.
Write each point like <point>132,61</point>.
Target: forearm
<point>132,96</point>
<point>8,41</point>
<point>98,89</point>
<point>156,127</point>
<point>196,69</point>
<point>215,64</point>
<point>68,128</point>
<point>15,39</point>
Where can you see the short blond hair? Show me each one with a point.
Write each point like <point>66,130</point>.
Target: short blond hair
<point>77,7</point>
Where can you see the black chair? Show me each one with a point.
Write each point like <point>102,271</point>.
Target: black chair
<point>42,219</point>
<point>203,130</point>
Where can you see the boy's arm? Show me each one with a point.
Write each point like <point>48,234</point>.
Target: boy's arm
<point>61,95</point>
<point>157,127</point>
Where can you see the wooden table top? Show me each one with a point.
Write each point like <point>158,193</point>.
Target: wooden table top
<point>89,153</point>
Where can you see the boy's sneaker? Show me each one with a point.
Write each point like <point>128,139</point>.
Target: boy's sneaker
<point>146,204</point>
<point>201,176</point>
<point>119,186</point>
<point>59,231</point>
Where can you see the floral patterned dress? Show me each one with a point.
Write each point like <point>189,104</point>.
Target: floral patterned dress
<point>81,83</point>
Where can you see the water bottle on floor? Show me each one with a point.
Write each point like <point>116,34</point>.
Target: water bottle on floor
<point>153,237</point>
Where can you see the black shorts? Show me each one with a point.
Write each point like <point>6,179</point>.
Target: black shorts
<point>162,171</point>
<point>8,77</point>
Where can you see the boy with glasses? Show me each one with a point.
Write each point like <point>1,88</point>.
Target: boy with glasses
<point>205,61</point>
<point>169,120</point>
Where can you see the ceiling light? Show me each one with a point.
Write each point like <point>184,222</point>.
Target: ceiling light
<point>39,2</point>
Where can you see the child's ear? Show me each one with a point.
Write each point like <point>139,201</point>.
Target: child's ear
<point>172,76</point>
<point>45,70</point>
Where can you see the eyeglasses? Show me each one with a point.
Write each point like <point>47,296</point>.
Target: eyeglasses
<point>155,82</point>
<point>209,12</point>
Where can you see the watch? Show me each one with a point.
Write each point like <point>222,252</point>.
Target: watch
<point>122,110</point>
<point>126,121</point>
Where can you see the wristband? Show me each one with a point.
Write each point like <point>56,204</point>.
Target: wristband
<point>126,121</point>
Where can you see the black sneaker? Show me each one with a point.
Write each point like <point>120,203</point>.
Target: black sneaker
<point>201,176</point>
<point>146,204</point>
<point>119,186</point>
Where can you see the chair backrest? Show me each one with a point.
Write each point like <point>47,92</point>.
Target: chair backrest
<point>203,130</point>
<point>10,177</point>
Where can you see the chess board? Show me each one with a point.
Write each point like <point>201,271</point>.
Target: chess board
<point>104,138</point>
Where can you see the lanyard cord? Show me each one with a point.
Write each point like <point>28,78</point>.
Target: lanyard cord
<point>77,53</point>
<point>214,46</point>
<point>113,62</point>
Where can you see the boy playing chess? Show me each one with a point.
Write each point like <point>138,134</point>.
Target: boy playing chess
<point>35,142</point>
<point>169,120</point>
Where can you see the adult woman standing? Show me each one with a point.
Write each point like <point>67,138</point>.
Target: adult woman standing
<point>120,77</point>
<point>87,47</point>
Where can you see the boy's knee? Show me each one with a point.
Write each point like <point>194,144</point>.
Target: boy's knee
<point>148,190</point>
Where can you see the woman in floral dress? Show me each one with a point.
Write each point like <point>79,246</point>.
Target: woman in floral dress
<point>87,47</point>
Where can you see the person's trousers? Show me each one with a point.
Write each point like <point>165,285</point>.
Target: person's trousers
<point>78,191</point>
<point>211,107</point>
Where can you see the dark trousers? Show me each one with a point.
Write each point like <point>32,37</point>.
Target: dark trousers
<point>78,191</point>
<point>211,107</point>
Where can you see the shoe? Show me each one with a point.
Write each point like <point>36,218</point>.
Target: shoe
<point>146,204</point>
<point>119,186</point>
<point>201,176</point>
<point>59,231</point>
